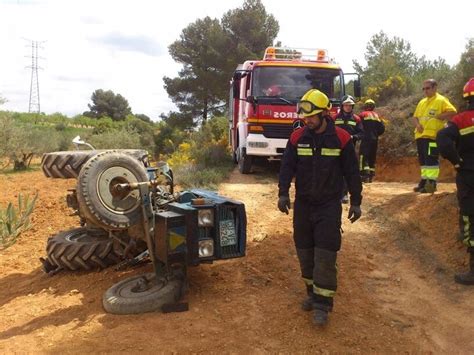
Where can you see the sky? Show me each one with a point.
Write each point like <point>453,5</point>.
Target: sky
<point>122,45</point>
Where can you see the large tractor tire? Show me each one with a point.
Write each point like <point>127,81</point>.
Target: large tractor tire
<point>79,249</point>
<point>98,201</point>
<point>142,293</point>
<point>68,164</point>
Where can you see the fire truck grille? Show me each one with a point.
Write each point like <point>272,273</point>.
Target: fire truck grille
<point>277,131</point>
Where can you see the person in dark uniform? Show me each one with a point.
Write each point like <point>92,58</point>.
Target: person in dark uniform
<point>351,123</point>
<point>319,155</point>
<point>373,129</point>
<point>456,143</point>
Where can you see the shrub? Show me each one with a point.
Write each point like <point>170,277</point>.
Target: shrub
<point>190,176</point>
<point>116,139</point>
<point>398,139</point>
<point>15,220</point>
<point>182,156</point>
<point>60,126</point>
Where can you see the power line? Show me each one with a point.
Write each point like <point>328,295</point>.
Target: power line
<point>34,102</point>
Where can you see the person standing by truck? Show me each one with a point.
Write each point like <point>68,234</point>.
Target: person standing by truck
<point>350,122</point>
<point>373,128</point>
<point>319,156</point>
<point>456,143</point>
<point>430,115</point>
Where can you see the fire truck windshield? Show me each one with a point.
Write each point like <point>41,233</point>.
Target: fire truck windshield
<point>292,82</point>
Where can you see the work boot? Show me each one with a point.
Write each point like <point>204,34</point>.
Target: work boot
<point>420,186</point>
<point>345,199</point>
<point>467,278</point>
<point>320,317</point>
<point>309,303</point>
<point>371,177</point>
<point>429,188</point>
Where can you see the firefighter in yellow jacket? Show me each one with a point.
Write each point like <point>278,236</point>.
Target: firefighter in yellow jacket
<point>430,115</point>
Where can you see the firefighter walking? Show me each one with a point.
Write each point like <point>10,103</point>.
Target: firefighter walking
<point>430,116</point>
<point>373,128</point>
<point>456,143</point>
<point>319,155</point>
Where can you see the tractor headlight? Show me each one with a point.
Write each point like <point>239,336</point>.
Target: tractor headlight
<point>205,218</point>
<point>206,248</point>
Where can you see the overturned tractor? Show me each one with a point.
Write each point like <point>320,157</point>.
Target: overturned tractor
<point>128,211</point>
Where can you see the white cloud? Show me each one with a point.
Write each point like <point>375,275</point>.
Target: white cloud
<point>123,45</point>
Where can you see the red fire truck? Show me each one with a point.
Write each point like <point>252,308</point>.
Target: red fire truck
<point>263,97</point>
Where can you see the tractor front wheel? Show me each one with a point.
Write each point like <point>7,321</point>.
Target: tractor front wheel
<point>142,293</point>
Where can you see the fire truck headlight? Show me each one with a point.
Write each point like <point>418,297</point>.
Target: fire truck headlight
<point>206,248</point>
<point>205,218</point>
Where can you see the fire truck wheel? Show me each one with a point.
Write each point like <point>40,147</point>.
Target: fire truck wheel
<point>68,164</point>
<point>245,163</point>
<point>142,293</point>
<point>99,202</point>
<point>80,249</point>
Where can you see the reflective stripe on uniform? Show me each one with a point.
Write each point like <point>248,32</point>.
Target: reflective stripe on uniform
<point>323,291</point>
<point>431,145</point>
<point>334,152</point>
<point>430,172</point>
<point>350,123</point>
<point>305,151</point>
<point>368,118</point>
<point>467,232</point>
<point>308,282</point>
<point>467,130</point>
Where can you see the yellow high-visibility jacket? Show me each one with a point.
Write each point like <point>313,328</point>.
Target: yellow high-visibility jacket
<point>427,112</point>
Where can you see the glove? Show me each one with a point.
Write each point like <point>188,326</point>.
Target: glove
<point>354,213</point>
<point>284,204</point>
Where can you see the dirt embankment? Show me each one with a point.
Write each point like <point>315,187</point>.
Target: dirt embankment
<point>395,283</point>
<point>408,170</point>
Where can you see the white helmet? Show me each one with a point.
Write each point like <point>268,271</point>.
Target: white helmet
<point>348,99</point>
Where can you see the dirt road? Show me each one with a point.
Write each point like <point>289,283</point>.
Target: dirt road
<point>395,284</point>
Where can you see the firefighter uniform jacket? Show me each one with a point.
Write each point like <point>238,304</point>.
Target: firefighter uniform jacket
<point>372,124</point>
<point>319,162</point>
<point>351,123</point>
<point>456,141</point>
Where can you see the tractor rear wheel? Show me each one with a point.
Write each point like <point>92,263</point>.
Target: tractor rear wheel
<point>80,249</point>
<point>68,164</point>
<point>99,201</point>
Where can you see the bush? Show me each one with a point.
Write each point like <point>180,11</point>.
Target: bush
<point>205,159</point>
<point>60,126</point>
<point>14,220</point>
<point>191,176</point>
<point>398,139</point>
<point>394,86</point>
<point>116,139</point>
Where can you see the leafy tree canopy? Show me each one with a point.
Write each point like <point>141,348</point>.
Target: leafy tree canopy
<point>108,104</point>
<point>393,70</point>
<point>209,51</point>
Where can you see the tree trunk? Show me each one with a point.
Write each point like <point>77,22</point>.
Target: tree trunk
<point>204,112</point>
<point>19,165</point>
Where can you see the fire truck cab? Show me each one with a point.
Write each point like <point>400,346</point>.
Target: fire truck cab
<point>263,97</point>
